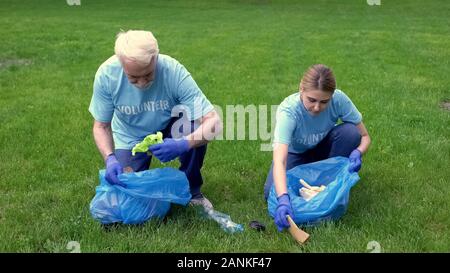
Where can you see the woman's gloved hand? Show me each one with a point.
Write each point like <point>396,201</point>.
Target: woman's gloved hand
<point>355,161</point>
<point>284,208</point>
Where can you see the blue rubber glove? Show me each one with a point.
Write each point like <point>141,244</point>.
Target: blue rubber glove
<point>113,169</point>
<point>284,208</point>
<point>170,149</point>
<point>355,161</point>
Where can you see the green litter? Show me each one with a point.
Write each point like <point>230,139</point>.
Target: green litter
<point>142,147</point>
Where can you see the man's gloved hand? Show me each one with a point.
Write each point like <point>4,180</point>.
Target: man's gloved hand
<point>113,169</point>
<point>170,149</point>
<point>355,161</point>
<point>284,208</point>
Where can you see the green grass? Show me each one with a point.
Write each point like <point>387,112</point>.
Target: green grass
<point>392,60</point>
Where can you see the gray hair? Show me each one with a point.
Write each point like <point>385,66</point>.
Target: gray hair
<point>137,45</point>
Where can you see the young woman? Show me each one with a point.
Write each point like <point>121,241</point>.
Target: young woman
<point>306,131</point>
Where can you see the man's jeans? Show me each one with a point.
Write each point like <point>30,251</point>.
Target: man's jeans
<point>191,161</point>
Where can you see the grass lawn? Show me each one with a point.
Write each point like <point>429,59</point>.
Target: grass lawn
<point>392,60</point>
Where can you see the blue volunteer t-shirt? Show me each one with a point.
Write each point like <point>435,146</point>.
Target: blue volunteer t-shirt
<point>301,130</point>
<point>136,113</point>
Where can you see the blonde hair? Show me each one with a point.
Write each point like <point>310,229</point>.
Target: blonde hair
<point>318,77</point>
<point>137,45</point>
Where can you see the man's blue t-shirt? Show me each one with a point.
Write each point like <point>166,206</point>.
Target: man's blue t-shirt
<point>136,113</point>
<point>301,130</point>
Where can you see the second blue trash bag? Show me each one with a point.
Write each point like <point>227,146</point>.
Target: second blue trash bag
<point>330,204</point>
<point>148,194</point>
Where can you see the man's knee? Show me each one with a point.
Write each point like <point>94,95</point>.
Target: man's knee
<point>139,162</point>
<point>123,156</point>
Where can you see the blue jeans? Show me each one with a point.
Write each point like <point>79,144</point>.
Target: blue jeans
<point>340,141</point>
<point>191,161</point>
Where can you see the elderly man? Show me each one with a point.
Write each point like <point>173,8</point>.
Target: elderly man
<point>136,92</point>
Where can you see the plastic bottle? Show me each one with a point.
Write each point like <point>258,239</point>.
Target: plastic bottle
<point>224,221</point>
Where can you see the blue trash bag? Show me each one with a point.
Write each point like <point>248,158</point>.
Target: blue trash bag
<point>328,205</point>
<point>148,194</point>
